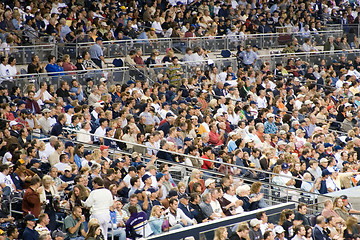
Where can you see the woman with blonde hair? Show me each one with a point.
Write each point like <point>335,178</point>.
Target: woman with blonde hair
<point>221,233</point>
<point>96,156</point>
<point>196,178</point>
<point>112,91</point>
<point>156,219</point>
<point>67,65</point>
<point>181,188</point>
<point>48,193</point>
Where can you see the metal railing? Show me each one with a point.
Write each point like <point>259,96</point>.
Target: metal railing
<point>285,189</point>
<point>113,75</point>
<point>188,68</point>
<point>23,54</point>
<point>310,57</point>
<point>196,230</point>
<point>121,48</point>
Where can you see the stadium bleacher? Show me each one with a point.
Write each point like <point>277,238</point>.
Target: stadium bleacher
<point>179,119</point>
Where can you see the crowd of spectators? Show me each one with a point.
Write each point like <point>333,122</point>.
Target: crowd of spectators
<point>296,125</point>
<point>84,21</point>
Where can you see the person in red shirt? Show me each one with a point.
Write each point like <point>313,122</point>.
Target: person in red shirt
<point>207,155</point>
<point>214,137</point>
<point>138,59</point>
<point>31,201</point>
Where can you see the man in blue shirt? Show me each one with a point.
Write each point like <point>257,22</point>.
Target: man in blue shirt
<point>30,233</point>
<point>96,52</point>
<point>53,67</point>
<point>248,57</point>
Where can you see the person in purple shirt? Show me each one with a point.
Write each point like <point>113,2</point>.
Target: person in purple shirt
<point>137,225</point>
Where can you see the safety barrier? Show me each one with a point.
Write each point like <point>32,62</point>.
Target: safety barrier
<point>188,68</point>
<point>196,230</point>
<point>121,48</point>
<point>114,75</point>
<point>310,58</point>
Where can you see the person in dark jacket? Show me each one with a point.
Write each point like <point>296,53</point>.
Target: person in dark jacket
<point>31,201</point>
<point>30,233</point>
<point>319,232</point>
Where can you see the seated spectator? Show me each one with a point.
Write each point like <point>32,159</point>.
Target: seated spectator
<point>53,67</point>
<point>67,65</point>
<point>30,233</point>
<point>73,224</point>
<point>137,224</point>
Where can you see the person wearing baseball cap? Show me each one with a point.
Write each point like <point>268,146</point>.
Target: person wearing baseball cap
<point>96,52</point>
<point>209,184</point>
<point>30,232</point>
<point>105,153</point>
<point>169,120</point>
<point>286,176</point>
<point>254,231</point>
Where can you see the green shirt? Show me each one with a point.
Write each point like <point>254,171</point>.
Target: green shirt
<point>70,222</point>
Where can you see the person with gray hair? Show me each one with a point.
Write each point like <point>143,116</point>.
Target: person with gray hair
<point>206,207</point>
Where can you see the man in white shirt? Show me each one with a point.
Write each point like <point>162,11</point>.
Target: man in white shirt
<point>69,112</point>
<point>5,182</point>
<point>63,164</point>
<point>177,217</point>
<point>4,69</point>
<point>49,147</point>
<point>229,194</point>
<point>131,174</point>
<point>45,96</point>
<point>165,110</point>
<point>215,205</point>
<point>197,56</point>
<point>187,56</point>
<point>287,180</point>
<point>261,100</point>
<point>299,233</point>
<point>99,201</point>
<point>353,72</point>
<point>45,122</point>
<point>101,131</point>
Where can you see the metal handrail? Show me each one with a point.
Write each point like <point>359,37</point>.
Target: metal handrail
<point>179,154</point>
<point>209,38</point>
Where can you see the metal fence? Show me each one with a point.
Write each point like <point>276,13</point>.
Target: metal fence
<point>120,48</point>
<point>189,68</point>
<point>114,75</point>
<point>310,57</point>
<point>23,54</point>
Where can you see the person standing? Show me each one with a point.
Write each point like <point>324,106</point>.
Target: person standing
<point>99,201</point>
<point>96,52</point>
<point>31,201</point>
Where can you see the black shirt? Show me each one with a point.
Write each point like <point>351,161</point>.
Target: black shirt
<point>32,68</point>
